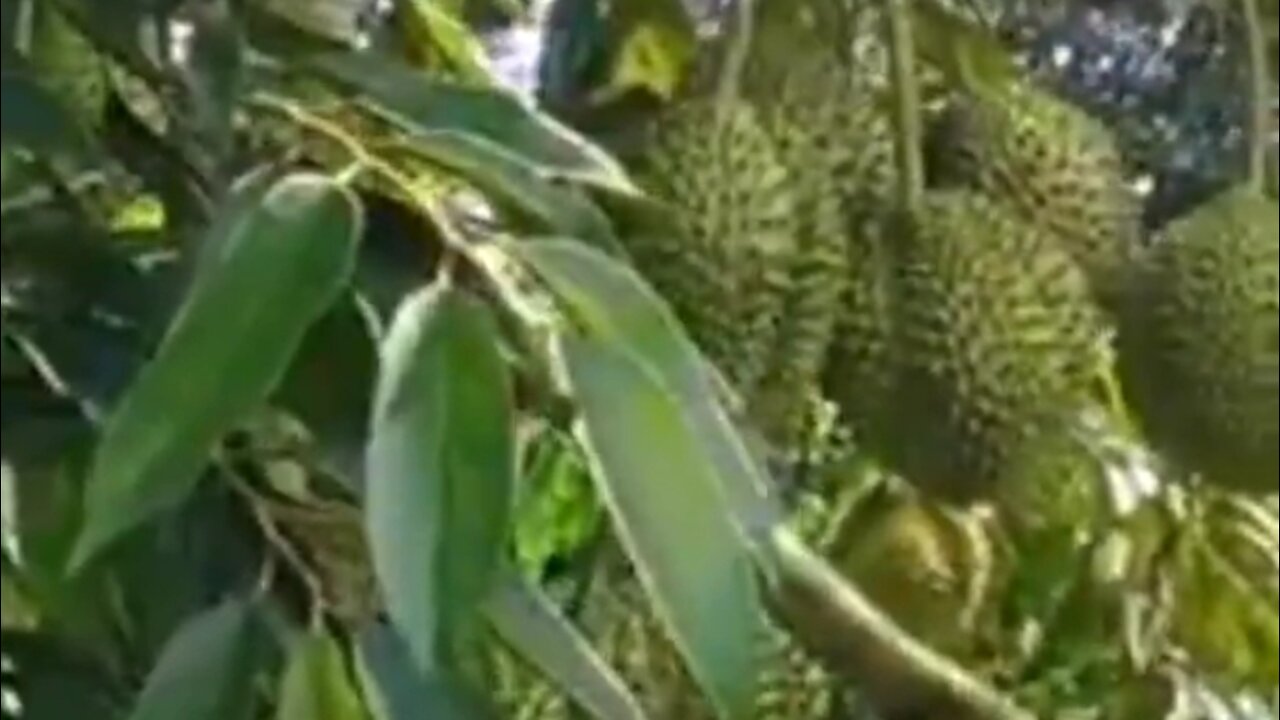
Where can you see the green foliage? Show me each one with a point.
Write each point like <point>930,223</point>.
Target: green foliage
<point>270,268</point>
<point>316,684</point>
<point>341,382</point>
<point>207,670</point>
<point>440,471</point>
<point>697,570</point>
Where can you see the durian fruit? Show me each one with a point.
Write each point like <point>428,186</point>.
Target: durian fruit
<point>1198,341</point>
<point>1059,167</point>
<point>67,64</point>
<point>727,269</point>
<point>993,351</point>
<point>807,108</point>
<point>934,572</point>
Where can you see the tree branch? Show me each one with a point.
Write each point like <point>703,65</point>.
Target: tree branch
<point>899,674</point>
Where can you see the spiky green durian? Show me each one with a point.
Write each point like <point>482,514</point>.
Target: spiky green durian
<point>807,118</point>
<point>726,265</point>
<point>994,347</point>
<point>1198,341</point>
<point>1056,165</point>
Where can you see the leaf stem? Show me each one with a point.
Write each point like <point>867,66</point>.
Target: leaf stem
<point>906,106</point>
<point>1259,92</point>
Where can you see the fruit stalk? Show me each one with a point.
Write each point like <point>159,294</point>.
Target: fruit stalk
<point>1259,92</point>
<point>739,50</point>
<point>906,106</point>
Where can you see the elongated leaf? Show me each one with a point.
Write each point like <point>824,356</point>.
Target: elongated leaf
<point>397,690</point>
<point>967,54</point>
<point>206,670</point>
<point>535,629</point>
<point>436,31</point>
<point>316,684</point>
<point>277,270</point>
<point>418,102</point>
<point>666,500</point>
<point>517,185</point>
<point>440,469</point>
<point>617,307</point>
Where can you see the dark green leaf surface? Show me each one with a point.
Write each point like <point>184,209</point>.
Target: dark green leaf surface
<point>396,689</point>
<point>440,469</point>
<point>329,387</point>
<point>55,682</point>
<point>420,103</point>
<point>533,627</point>
<point>256,291</point>
<point>33,118</point>
<point>206,670</point>
<point>666,500</point>
<point>516,185</point>
<point>316,684</point>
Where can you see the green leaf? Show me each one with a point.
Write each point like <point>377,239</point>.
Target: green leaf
<point>420,103</point>
<point>535,629</point>
<point>336,21</point>
<point>56,681</point>
<point>395,689</point>
<point>440,469</point>
<point>435,31</point>
<point>316,685</point>
<point>32,117</point>
<point>663,493</point>
<point>280,265</point>
<point>656,43</point>
<point>969,55</point>
<point>329,387</point>
<point>206,670</point>
<point>616,306</point>
<point>558,513</point>
<point>517,185</point>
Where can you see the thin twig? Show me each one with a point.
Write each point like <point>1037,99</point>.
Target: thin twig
<point>280,545</point>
